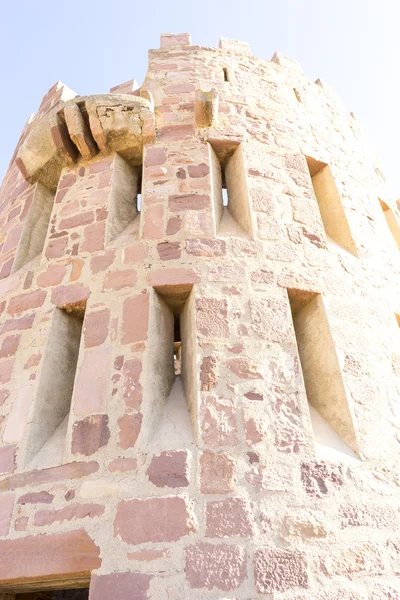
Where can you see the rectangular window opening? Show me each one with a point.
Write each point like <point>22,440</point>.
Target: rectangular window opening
<point>171,363</point>
<point>230,190</point>
<point>328,403</point>
<point>47,432</point>
<point>391,221</point>
<point>125,198</point>
<point>226,74</point>
<point>330,205</point>
<point>35,227</point>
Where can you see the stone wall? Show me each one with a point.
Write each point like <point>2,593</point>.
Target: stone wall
<point>270,467</point>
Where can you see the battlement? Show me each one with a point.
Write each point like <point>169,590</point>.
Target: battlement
<point>199,341</point>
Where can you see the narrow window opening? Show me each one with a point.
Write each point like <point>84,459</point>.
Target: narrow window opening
<point>331,209</point>
<point>328,403</point>
<point>35,227</point>
<point>48,428</point>
<point>391,221</point>
<point>125,199</point>
<point>226,75</point>
<point>224,196</point>
<point>139,189</point>
<point>59,594</point>
<point>171,387</point>
<point>230,191</point>
<point>177,345</point>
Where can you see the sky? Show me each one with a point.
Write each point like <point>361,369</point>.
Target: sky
<point>92,45</point>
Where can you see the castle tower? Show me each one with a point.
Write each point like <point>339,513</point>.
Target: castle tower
<point>199,341</point>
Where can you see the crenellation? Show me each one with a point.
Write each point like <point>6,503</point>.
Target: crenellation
<point>199,343</point>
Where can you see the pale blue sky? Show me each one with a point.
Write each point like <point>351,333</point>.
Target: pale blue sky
<point>92,45</point>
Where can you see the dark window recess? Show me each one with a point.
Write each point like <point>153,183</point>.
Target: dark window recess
<point>177,345</point>
<point>226,74</point>
<point>81,594</point>
<point>139,190</point>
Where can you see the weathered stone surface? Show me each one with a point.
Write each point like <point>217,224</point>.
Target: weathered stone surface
<point>228,518</point>
<point>278,570</point>
<point>6,510</point>
<point>90,434</point>
<point>70,512</point>
<point>169,469</point>
<point>73,470</point>
<point>34,556</point>
<point>120,586</point>
<point>211,566</point>
<point>217,473</point>
<point>154,520</point>
<point>320,479</point>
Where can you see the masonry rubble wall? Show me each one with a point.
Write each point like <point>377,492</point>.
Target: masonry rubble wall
<point>233,485</point>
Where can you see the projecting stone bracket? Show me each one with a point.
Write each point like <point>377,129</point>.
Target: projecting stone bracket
<point>83,128</point>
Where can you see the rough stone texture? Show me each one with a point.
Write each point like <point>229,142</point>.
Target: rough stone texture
<point>154,520</point>
<point>277,570</point>
<point>215,566</point>
<point>270,466</point>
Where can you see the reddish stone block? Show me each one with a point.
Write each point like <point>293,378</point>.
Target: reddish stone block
<point>101,262</point>
<point>7,459</point>
<point>219,424</point>
<point>132,394</point>
<point>27,301</point>
<point>227,518</point>
<point>253,426</point>
<point>217,473</point>
<point>52,276</point>
<point>180,88</point>
<point>134,254</point>
<point>84,218</point>
<point>21,524</point>
<point>90,434</point>
<point>153,222</point>
<point>278,570</point>
<point>321,478</point>
<point>244,368</point>
<point>161,277</point>
<point>72,511</point>
<point>212,317</point>
<point>69,294</point>
<point>31,557</point>
<point>169,469</point>
<point>6,510</point>
<point>155,156</point>
<point>208,373</point>
<point>199,170</point>
<point>33,361</point>
<point>174,225</point>
<point>148,555</point>
<point>56,248</point>
<point>76,270</point>
<point>36,498</point>
<point>4,394</point>
<point>206,247</point>
<point>153,520</point>
<point>93,237</point>
<point>188,202</point>
<point>74,470</point>
<point>122,465</point>
<point>117,280</point>
<point>169,250</point>
<point>135,318</point>
<point>9,346</point>
<point>6,369</point>
<point>218,566</point>
<point>17,324</point>
<point>129,429</point>
<point>120,586</point>
<point>95,329</point>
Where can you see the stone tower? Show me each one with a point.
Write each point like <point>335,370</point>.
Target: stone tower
<point>199,342</point>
